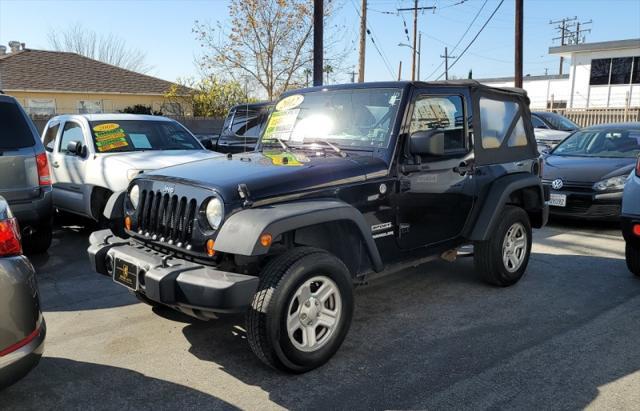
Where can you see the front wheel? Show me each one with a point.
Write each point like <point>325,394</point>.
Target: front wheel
<point>633,259</point>
<point>502,259</point>
<point>302,310</point>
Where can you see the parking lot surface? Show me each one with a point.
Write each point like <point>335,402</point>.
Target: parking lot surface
<point>434,336</point>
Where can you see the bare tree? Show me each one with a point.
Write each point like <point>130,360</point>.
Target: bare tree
<point>106,48</point>
<point>269,42</point>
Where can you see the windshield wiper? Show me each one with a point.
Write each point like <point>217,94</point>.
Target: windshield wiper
<point>334,147</point>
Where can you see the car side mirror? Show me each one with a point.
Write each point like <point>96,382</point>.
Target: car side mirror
<point>207,143</point>
<point>75,148</point>
<point>429,142</point>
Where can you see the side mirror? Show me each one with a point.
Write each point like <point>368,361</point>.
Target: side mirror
<point>429,142</point>
<point>75,148</point>
<point>207,143</point>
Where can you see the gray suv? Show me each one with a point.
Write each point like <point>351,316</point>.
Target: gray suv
<point>25,179</point>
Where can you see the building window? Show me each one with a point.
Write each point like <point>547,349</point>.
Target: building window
<point>41,106</point>
<point>600,69</point>
<point>635,77</point>
<point>622,70</point>
<point>89,106</point>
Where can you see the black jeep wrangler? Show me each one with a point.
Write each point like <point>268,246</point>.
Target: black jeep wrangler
<point>347,182</point>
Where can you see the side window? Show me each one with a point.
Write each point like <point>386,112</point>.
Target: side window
<point>50,137</point>
<point>443,113</point>
<point>537,123</point>
<point>71,132</point>
<point>518,137</point>
<point>496,118</point>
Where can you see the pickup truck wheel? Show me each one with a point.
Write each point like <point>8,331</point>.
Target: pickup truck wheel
<point>503,258</point>
<point>302,310</point>
<point>633,259</point>
<point>39,241</point>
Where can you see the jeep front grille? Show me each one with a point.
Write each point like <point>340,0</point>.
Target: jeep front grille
<point>165,217</point>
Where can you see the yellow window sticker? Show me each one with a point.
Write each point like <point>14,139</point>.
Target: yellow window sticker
<point>106,127</point>
<point>289,103</point>
<point>113,145</point>
<point>281,124</point>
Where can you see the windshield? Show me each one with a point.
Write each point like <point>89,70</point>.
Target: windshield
<point>601,143</point>
<point>346,118</point>
<point>559,122</point>
<point>111,136</point>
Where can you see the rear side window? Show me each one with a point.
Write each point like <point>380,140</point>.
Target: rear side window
<point>14,128</point>
<point>50,137</point>
<point>496,118</point>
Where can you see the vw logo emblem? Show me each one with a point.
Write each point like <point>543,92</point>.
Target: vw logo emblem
<point>557,184</point>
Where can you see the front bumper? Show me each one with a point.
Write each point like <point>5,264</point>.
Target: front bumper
<point>588,205</point>
<point>17,364</point>
<point>195,289</point>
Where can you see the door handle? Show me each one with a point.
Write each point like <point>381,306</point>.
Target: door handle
<point>464,168</point>
<point>55,164</point>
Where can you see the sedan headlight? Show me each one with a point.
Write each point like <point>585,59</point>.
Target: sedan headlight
<point>214,212</point>
<point>611,184</point>
<point>134,195</point>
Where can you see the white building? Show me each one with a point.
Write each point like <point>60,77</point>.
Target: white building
<point>604,74</point>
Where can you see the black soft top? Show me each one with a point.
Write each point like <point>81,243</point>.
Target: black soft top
<point>471,84</point>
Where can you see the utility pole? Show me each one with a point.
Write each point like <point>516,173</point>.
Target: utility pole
<point>353,76</point>
<point>518,50</point>
<point>419,54</point>
<point>415,9</point>
<point>579,31</point>
<point>363,41</point>
<point>318,33</point>
<point>446,58</point>
<point>400,71</point>
<point>563,26</point>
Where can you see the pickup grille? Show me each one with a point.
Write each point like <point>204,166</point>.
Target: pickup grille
<point>166,217</point>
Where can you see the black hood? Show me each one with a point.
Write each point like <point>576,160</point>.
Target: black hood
<point>265,174</point>
<point>585,169</point>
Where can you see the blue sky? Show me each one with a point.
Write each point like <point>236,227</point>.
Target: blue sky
<point>163,30</point>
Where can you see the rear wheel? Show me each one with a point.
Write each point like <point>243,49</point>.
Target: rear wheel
<point>39,240</point>
<point>633,259</point>
<point>302,310</point>
<point>503,258</point>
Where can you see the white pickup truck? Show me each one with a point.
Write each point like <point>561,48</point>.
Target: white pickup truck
<point>95,155</point>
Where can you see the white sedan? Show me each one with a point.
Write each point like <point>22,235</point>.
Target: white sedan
<point>95,155</point>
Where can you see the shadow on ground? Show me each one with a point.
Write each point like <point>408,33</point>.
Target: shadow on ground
<point>109,387</point>
<point>417,336</point>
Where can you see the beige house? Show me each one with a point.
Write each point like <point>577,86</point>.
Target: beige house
<point>53,82</point>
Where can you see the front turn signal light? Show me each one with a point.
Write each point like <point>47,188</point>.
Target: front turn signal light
<point>127,223</point>
<point>209,248</point>
<point>265,239</point>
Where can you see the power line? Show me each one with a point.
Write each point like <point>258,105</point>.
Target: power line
<point>474,39</point>
<point>372,36</point>
<point>461,37</point>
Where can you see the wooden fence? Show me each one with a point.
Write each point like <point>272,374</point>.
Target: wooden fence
<point>589,116</point>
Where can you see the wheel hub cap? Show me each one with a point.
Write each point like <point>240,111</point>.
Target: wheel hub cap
<point>314,313</point>
<point>514,248</point>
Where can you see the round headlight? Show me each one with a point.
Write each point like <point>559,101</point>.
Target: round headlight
<point>134,195</point>
<point>215,212</point>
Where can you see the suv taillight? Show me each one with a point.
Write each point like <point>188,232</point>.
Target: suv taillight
<point>10,238</point>
<point>44,175</point>
<point>638,167</point>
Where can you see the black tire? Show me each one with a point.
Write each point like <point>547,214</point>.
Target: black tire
<point>488,255</point>
<point>266,318</point>
<point>39,241</point>
<point>633,259</point>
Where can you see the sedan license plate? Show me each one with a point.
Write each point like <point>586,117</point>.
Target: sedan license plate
<point>126,274</point>
<point>558,200</point>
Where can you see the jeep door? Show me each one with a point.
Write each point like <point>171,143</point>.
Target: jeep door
<point>436,188</point>
<point>68,170</point>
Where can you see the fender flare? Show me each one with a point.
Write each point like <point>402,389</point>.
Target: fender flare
<point>496,199</point>
<point>240,234</point>
<point>114,208</point>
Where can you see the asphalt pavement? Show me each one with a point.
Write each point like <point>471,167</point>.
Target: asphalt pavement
<point>434,337</point>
